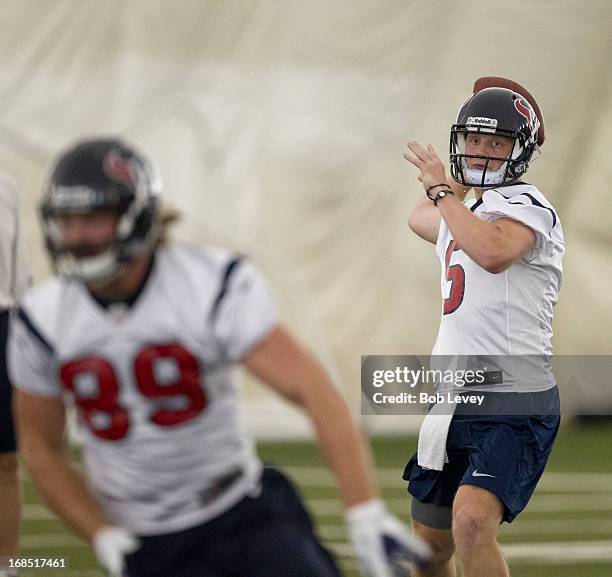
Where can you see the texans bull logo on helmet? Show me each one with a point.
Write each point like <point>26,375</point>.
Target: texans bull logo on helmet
<point>525,109</point>
<point>120,170</point>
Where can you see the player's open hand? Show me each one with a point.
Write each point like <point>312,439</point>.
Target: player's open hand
<point>428,162</point>
<point>111,545</point>
<point>382,545</point>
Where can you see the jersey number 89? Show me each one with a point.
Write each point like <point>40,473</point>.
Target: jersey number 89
<point>106,402</point>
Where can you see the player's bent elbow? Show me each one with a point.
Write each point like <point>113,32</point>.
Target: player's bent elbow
<point>419,225</point>
<point>412,223</point>
<point>495,264</point>
<point>418,219</point>
<point>497,269</point>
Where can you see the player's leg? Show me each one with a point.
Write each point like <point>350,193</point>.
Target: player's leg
<point>186,553</point>
<point>477,514</point>
<point>507,458</point>
<point>431,510</point>
<point>433,524</point>
<point>285,548</point>
<point>275,536</point>
<point>10,503</point>
<point>264,535</point>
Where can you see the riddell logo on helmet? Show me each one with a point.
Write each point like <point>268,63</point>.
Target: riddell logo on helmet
<point>482,121</point>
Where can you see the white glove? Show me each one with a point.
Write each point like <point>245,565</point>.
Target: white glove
<point>382,544</point>
<point>111,545</point>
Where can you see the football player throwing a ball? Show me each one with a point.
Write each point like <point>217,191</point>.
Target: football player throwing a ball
<point>500,256</point>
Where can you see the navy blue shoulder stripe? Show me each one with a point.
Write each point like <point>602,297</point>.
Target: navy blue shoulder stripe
<point>25,319</point>
<point>227,274</point>
<point>476,204</point>
<point>535,202</point>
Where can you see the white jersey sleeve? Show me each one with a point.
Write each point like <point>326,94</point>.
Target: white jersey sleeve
<point>30,358</point>
<point>244,312</point>
<point>528,206</point>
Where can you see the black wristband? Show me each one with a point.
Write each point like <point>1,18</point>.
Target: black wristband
<point>434,186</point>
<point>441,195</point>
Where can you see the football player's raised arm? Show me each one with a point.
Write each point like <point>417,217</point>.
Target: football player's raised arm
<point>286,366</point>
<point>425,217</point>
<point>40,425</point>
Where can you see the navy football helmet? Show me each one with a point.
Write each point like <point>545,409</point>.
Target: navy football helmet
<point>497,111</point>
<point>101,174</point>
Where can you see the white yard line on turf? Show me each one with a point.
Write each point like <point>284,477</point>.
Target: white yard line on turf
<point>570,503</point>
<point>329,506</point>
<point>551,553</point>
<point>560,552</point>
<point>521,528</point>
<point>557,527</point>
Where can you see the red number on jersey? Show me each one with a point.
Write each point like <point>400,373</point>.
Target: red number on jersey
<point>184,382</point>
<point>186,385</point>
<point>105,404</point>
<point>456,275</point>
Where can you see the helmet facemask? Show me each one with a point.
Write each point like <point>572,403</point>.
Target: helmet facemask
<point>512,166</point>
<point>95,269</point>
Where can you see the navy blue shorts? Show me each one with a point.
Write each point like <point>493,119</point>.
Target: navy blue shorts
<point>268,536</point>
<point>504,454</point>
<point>8,442</point>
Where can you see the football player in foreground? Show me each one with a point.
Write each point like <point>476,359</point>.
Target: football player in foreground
<point>500,255</point>
<point>142,336</point>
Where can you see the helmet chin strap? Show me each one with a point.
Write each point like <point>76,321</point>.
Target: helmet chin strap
<point>93,270</point>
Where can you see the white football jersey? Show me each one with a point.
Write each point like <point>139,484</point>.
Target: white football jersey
<point>153,384</point>
<point>507,315</point>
